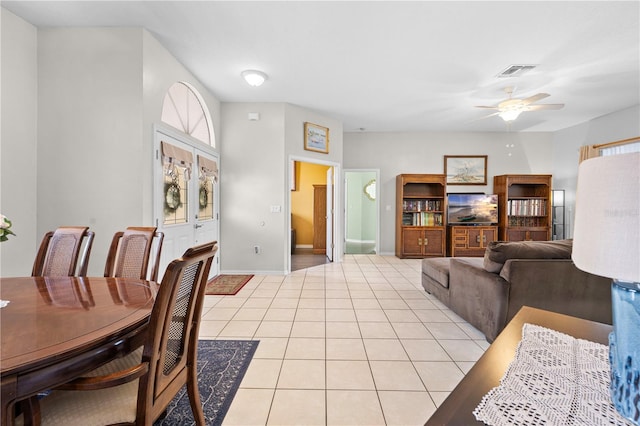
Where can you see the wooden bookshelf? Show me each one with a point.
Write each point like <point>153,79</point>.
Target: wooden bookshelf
<point>420,215</point>
<point>524,207</point>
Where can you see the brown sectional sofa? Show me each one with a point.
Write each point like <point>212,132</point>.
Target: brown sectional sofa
<point>487,292</point>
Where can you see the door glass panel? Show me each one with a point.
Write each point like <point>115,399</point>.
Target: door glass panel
<point>176,206</point>
<point>205,198</point>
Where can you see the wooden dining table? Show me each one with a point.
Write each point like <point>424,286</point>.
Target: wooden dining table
<point>54,329</point>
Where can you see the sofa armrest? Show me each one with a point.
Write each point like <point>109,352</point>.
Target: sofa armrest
<point>478,296</point>
<point>557,285</point>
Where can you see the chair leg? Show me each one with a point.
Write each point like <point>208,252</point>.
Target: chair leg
<point>30,411</point>
<point>194,395</point>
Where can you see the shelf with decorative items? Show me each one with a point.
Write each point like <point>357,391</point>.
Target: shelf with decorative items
<point>420,215</point>
<point>524,207</point>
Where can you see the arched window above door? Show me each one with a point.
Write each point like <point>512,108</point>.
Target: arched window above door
<point>184,109</point>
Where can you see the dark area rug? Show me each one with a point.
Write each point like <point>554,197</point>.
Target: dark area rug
<point>226,284</point>
<point>221,367</point>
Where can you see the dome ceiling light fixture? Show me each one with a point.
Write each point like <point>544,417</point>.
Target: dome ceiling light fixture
<point>254,77</point>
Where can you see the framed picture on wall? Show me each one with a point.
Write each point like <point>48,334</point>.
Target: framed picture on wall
<point>316,138</point>
<point>465,169</point>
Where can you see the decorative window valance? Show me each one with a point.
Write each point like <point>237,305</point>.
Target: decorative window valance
<point>591,151</point>
<point>173,155</point>
<point>208,168</point>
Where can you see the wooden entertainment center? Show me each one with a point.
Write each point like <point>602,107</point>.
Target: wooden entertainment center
<point>524,213</point>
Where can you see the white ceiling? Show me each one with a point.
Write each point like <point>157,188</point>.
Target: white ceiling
<point>388,65</point>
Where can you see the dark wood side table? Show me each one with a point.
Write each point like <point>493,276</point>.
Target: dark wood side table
<point>458,408</point>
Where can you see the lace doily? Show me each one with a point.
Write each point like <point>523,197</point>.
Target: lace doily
<point>554,379</point>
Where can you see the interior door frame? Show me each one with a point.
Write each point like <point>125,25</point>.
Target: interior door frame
<point>377,205</point>
<point>337,188</point>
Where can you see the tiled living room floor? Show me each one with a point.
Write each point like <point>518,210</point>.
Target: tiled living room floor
<point>352,343</point>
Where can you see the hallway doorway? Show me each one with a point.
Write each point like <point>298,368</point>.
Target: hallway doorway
<point>361,211</point>
<point>311,214</point>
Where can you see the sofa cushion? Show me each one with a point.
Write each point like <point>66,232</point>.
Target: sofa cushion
<point>437,268</point>
<point>498,252</point>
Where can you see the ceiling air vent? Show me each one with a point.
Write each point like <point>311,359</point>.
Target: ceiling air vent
<point>515,71</point>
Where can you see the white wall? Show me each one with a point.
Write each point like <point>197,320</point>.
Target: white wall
<point>18,143</point>
<point>90,147</point>
<point>620,125</point>
<point>254,177</point>
<point>82,106</point>
<point>396,153</point>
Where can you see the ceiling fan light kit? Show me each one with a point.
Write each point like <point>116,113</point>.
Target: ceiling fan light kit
<point>511,108</point>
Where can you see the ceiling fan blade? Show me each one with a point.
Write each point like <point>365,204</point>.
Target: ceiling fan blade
<point>483,117</point>
<point>544,106</point>
<point>534,98</point>
<point>486,107</point>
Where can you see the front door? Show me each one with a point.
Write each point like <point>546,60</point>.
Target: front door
<point>186,188</point>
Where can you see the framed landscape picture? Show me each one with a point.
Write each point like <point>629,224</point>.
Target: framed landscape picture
<point>316,138</point>
<point>465,169</point>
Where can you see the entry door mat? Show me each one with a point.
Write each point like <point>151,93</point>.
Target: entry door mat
<point>221,367</point>
<point>226,284</point>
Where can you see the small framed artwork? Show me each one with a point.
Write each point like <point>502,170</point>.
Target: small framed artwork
<point>316,138</point>
<point>465,169</point>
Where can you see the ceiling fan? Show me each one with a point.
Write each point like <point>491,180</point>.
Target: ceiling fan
<point>511,108</point>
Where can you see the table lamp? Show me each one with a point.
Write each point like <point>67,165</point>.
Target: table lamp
<point>606,242</point>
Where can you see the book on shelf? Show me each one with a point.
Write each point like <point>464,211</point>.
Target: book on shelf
<point>422,205</point>
<point>422,219</point>
<point>527,207</point>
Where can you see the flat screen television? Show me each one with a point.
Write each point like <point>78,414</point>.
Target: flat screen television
<point>472,209</point>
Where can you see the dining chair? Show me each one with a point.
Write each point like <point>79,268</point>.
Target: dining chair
<point>124,393</point>
<point>131,252</point>
<point>59,252</point>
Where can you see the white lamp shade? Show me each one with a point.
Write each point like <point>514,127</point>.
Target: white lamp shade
<point>606,238</point>
<point>510,115</point>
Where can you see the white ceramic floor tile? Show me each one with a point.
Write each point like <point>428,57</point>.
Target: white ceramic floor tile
<point>396,375</point>
<point>308,329</point>
<point>249,407</point>
<point>298,407</point>
<point>220,314</point>
<point>209,329</point>
<point>425,350</point>
<point>305,348</point>
<point>406,408</point>
<point>442,330</point>
<point>302,374</point>
<point>353,408</point>
<point>355,342</point>
<point>271,347</point>
<point>262,373</point>
<point>345,349</point>
<point>371,315</point>
<point>385,350</point>
<point>439,376</point>
<point>411,330</point>
<point>462,350</point>
<point>280,314</point>
<point>377,330</point>
<point>340,315</point>
<point>273,329</point>
<point>349,375</point>
<point>342,330</point>
<point>240,328</point>
<point>316,314</point>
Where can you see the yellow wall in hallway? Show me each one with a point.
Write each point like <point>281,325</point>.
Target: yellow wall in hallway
<point>307,175</point>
